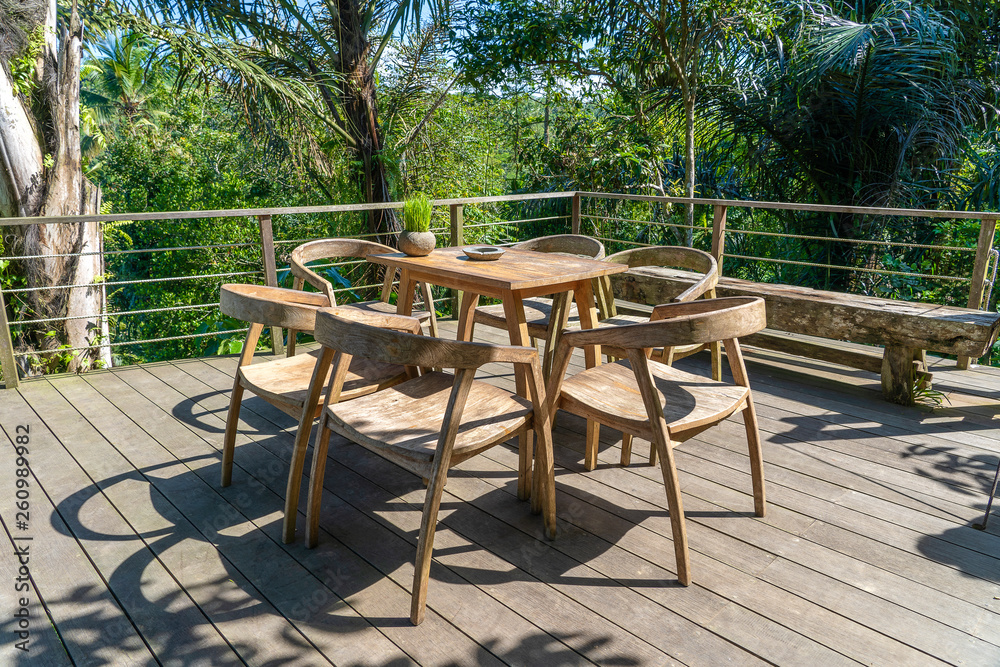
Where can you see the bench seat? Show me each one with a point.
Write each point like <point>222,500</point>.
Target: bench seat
<point>903,328</point>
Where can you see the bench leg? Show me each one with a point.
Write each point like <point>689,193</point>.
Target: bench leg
<point>898,374</point>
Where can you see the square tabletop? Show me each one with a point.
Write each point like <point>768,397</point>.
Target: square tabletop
<point>522,271</point>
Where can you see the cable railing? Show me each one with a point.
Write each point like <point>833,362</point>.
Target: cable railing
<point>130,312</point>
<point>134,314</point>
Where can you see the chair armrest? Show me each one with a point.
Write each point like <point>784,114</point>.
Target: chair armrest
<point>303,272</point>
<point>707,283</point>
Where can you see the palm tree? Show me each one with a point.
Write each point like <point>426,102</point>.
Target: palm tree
<point>124,83</point>
<point>294,56</point>
<point>854,105</point>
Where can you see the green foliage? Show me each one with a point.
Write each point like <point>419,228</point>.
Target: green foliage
<point>889,102</point>
<point>22,67</point>
<point>417,213</point>
<point>192,161</point>
<point>125,84</point>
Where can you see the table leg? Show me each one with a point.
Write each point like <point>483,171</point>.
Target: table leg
<point>557,322</point>
<point>585,306</point>
<point>466,312</point>
<point>517,328</point>
<point>404,304</point>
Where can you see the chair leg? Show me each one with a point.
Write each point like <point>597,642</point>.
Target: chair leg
<point>593,435</point>
<point>676,507</point>
<point>716,351</point>
<point>545,485</point>
<point>652,454</point>
<point>525,454</point>
<point>626,449</point>
<point>536,481</point>
<point>229,440</point>
<point>756,457</point>
<point>316,483</point>
<point>295,481</point>
<point>425,546</point>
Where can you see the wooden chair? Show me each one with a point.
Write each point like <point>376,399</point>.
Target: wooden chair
<point>428,423</point>
<point>285,383</point>
<point>652,400</point>
<point>352,248</point>
<point>672,257</point>
<point>545,317</point>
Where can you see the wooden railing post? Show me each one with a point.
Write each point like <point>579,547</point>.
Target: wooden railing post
<point>575,221</point>
<point>270,272</point>
<point>457,239</point>
<point>987,230</point>
<point>719,234</point>
<point>7,363</point>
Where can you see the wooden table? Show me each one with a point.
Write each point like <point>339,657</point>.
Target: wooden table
<point>517,275</point>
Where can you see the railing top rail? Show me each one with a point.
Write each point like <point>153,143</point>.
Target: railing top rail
<point>822,208</point>
<point>235,213</point>
<point>348,208</point>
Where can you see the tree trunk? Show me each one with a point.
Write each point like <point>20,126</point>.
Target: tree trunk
<point>361,112</point>
<point>31,189</point>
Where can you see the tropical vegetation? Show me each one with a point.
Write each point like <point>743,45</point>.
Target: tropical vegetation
<point>144,105</point>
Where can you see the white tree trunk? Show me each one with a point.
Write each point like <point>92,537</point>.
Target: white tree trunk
<point>31,190</point>
<point>22,184</point>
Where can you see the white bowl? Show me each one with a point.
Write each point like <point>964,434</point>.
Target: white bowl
<point>483,253</point>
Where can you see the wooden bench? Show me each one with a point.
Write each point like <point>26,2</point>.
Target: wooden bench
<point>904,329</point>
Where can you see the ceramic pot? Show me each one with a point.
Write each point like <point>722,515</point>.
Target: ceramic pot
<point>416,244</point>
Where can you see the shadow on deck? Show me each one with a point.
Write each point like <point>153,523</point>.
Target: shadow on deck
<point>866,554</point>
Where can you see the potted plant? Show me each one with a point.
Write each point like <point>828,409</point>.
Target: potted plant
<point>416,240</point>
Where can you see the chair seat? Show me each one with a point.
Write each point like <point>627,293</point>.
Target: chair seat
<point>610,395</point>
<point>285,382</point>
<point>406,419</point>
<point>388,309</point>
<point>537,311</point>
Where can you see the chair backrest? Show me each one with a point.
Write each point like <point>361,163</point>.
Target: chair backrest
<point>328,249</point>
<point>570,244</point>
<point>689,259</point>
<point>345,330</point>
<point>674,324</point>
<point>271,306</point>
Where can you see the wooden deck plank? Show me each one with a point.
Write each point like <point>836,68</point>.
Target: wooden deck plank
<point>899,541</point>
<point>772,652</point>
<point>84,588</point>
<point>865,555</point>
<point>610,643</point>
<point>818,385</point>
<point>811,448</point>
<point>656,483</point>
<point>853,603</point>
<point>639,557</point>
<point>527,551</point>
<point>519,639</point>
<point>887,585</point>
<point>247,584</point>
<point>46,551</point>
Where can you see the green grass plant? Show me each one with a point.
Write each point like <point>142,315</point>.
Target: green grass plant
<point>417,213</point>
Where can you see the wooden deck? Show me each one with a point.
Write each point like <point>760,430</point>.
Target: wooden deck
<point>866,555</point>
